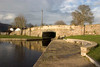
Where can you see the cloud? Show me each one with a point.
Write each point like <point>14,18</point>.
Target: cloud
<point>1,16</point>
<point>51,18</point>
<point>96,13</point>
<point>53,10</point>
<point>9,17</point>
<point>71,5</point>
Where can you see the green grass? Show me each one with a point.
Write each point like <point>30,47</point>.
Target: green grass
<point>18,36</point>
<point>95,52</point>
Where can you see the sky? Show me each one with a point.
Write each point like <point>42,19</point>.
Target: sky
<point>54,10</point>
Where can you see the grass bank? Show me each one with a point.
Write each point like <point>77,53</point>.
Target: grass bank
<point>19,36</point>
<point>95,52</point>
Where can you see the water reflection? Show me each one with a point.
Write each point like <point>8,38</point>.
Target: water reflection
<point>20,53</point>
<point>31,45</point>
<point>45,42</point>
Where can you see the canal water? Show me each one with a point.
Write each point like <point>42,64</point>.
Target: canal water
<point>21,53</point>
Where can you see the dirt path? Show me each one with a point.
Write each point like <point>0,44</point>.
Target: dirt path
<point>62,54</point>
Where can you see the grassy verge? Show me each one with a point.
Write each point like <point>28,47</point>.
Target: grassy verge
<point>19,36</point>
<point>95,52</point>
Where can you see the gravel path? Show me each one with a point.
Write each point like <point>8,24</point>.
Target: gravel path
<point>62,54</point>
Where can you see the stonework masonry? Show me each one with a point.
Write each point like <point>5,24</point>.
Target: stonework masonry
<point>61,30</point>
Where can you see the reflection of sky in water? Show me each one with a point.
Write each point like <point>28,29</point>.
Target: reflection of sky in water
<point>20,53</point>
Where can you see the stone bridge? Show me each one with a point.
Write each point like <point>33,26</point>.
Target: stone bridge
<point>61,30</point>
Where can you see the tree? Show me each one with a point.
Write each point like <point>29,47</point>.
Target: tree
<point>29,25</point>
<point>20,22</point>
<point>82,15</point>
<point>60,23</point>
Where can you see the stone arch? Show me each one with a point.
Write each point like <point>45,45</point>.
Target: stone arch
<point>48,34</point>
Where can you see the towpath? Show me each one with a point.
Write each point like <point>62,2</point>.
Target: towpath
<point>62,54</point>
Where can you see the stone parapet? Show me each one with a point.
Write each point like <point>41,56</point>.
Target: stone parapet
<point>85,48</point>
<point>61,30</point>
<point>85,45</point>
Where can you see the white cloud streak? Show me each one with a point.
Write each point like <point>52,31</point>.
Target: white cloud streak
<point>9,16</point>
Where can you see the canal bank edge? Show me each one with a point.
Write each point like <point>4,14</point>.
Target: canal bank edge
<point>85,48</point>
<point>18,39</point>
<point>41,55</point>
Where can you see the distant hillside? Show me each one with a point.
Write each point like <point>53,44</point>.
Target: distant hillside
<point>4,27</point>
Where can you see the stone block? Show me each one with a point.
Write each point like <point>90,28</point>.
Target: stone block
<point>84,51</point>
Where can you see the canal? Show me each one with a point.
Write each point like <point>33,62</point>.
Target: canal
<point>21,53</point>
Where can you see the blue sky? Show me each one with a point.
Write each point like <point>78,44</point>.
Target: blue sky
<point>54,10</point>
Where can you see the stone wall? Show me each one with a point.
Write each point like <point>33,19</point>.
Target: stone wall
<point>85,45</point>
<point>61,30</point>
<point>4,33</point>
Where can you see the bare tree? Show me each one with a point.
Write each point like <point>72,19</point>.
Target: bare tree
<point>20,22</point>
<point>82,15</point>
<point>60,23</point>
